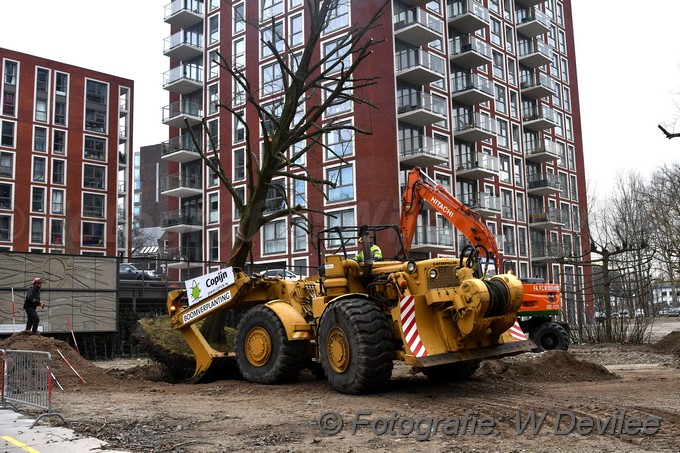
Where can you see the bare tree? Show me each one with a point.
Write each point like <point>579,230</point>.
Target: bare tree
<point>310,82</point>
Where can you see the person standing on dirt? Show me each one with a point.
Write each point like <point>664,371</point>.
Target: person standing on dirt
<point>31,304</point>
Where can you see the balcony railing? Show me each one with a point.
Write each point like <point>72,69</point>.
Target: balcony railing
<point>422,151</point>
<point>481,202</point>
<point>184,13</point>
<point>476,166</point>
<point>181,184</point>
<point>469,52</point>
<point>533,53</point>
<point>182,220</point>
<point>416,27</point>
<point>183,256</point>
<point>418,66</point>
<point>184,78</point>
<point>549,215</point>
<point>532,22</point>
<point>421,109</point>
<point>474,127</point>
<point>180,149</point>
<point>543,184</point>
<point>175,113</point>
<point>183,45</point>
<point>538,118</point>
<point>431,238</point>
<point>467,15</point>
<point>471,89</point>
<point>537,86</point>
<point>541,150</point>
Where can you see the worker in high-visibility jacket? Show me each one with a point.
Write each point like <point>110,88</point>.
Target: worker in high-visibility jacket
<point>375,252</point>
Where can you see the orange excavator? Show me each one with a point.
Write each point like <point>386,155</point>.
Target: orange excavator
<point>541,303</point>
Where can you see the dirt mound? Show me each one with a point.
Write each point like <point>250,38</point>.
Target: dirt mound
<point>91,374</point>
<point>670,344</point>
<point>549,366</point>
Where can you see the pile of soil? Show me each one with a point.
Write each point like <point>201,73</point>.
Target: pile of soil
<point>670,344</point>
<point>93,376</point>
<point>549,366</point>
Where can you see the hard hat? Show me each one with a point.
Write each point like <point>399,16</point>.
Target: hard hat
<point>37,280</point>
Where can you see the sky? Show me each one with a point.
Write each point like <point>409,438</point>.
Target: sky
<point>628,68</point>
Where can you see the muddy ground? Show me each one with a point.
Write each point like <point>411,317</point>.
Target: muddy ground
<point>621,398</point>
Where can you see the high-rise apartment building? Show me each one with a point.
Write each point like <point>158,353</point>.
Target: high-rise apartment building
<point>64,157</point>
<point>482,94</point>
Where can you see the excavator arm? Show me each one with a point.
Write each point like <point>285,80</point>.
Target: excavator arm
<point>421,188</point>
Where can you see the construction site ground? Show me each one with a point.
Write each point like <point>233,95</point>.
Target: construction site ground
<point>618,398</point>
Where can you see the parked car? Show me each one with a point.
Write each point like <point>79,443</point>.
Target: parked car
<point>622,314</point>
<point>674,311</point>
<point>127,271</point>
<point>663,312</point>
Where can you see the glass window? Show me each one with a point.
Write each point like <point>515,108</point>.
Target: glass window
<point>42,80</point>
<point>213,207</point>
<point>59,142</point>
<point>57,232</point>
<point>239,127</point>
<point>502,133</point>
<point>276,195</point>
<point>5,196</point>
<point>214,61</point>
<point>41,110</point>
<point>521,210</point>
<point>95,148</point>
<point>213,98</point>
<point>339,17</point>
<point>343,178</point>
<point>37,231</point>
<point>60,113</point>
<point>519,180</point>
<point>239,18</point>
<point>300,193</point>
<point>39,168</point>
<point>38,199</point>
<point>337,55</point>
<point>57,201</point>
<point>574,188</point>
<point>94,177</point>
<point>272,36</point>
<point>241,193</point>
<point>10,73</point>
<point>508,240</point>
<point>496,33</point>
<point>214,29</point>
<point>40,139</point>
<point>274,237</point>
<point>522,233</point>
<point>339,218</point>
<point>61,83</point>
<point>93,234</point>
<point>214,245</point>
<point>498,64</point>
<point>339,142</point>
<point>93,205</point>
<point>9,104</point>
<point>7,138</point>
<point>509,38</point>
<point>296,30</point>
<point>507,210</point>
<point>567,99</point>
<point>239,164</point>
<point>341,104</point>
<point>272,79</point>
<point>6,164</point>
<point>299,236</point>
<point>501,105</point>
<point>504,162</point>
<point>271,8</point>
<point>514,111</point>
<point>96,92</point>
<point>239,54</point>
<point>95,120</point>
<point>565,70</point>
<point>5,228</point>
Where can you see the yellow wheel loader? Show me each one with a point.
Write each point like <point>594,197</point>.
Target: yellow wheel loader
<point>354,319</point>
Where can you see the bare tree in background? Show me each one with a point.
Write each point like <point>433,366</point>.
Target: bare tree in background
<point>309,82</point>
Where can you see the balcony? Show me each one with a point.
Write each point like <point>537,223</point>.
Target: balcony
<point>419,67</point>
<point>431,239</point>
<point>529,3</point>
<point>476,166</point>
<point>532,22</point>
<point>179,149</point>
<point>416,2</point>
<point>184,79</point>
<point>473,127</point>
<point>536,86</point>
<point>541,220</point>
<point>467,16</point>
<point>183,45</point>
<point>181,185</point>
<point>471,89</point>
<point>183,257</point>
<point>182,221</point>
<point>469,52</point>
<point>175,114</point>
<point>539,118</point>
<point>533,53</point>
<point>416,27</point>
<point>122,215</point>
<point>541,150</point>
<point>184,13</point>
<point>483,203</point>
<point>541,185</point>
<point>547,251</point>
<point>122,188</point>
<point>122,160</point>
<point>421,109</point>
<point>421,151</point>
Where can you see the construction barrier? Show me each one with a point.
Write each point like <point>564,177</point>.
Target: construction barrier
<point>27,379</point>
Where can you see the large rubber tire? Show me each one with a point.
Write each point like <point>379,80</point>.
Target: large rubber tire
<point>452,372</point>
<point>550,336</point>
<point>263,352</point>
<point>355,346</point>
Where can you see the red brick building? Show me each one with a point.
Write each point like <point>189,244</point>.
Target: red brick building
<point>65,154</point>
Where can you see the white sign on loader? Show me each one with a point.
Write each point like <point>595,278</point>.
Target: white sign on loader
<point>206,285</point>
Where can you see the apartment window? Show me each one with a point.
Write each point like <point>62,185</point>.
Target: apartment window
<point>568,128</point>
<point>551,37</point>
<point>37,231</point>
<point>341,104</point>
<point>41,110</point>
<point>38,199</point>
<point>571,158</point>
<point>559,128</point>
<point>10,73</point>
<point>5,228</point>
<point>270,122</point>
<point>270,8</point>
<point>213,99</point>
<point>502,133</point>
<point>5,196</point>
<point>296,27</point>
<point>501,105</point>
<point>272,36</point>
<point>7,138</point>
<point>339,219</point>
<point>93,205</point>
<point>337,56</point>
<point>574,188</point>
<point>565,215</point>
<point>498,70</point>
<point>519,180</point>
<point>496,32</point>
<point>276,195</point>
<point>94,176</point>
<point>213,134</point>
<point>508,240</point>
<point>504,162</point>
<point>274,237</point>
<point>239,127</point>
<point>241,194</point>
<point>512,76</point>
<point>299,236</point>
<point>57,201</point>
<point>557,95</point>
<point>6,164</point>
<point>338,18</point>
<point>295,150</point>
<point>214,29</point>
<point>521,211</point>
<point>494,6</point>
<point>214,245</point>
<point>40,139</point>
<point>565,70</point>
<point>272,79</point>
<point>514,111</point>
<point>575,217</point>
<point>93,234</point>
<point>39,168</point>
<point>96,92</point>
<point>343,177</point>
<point>213,207</point>
<point>509,39</point>
<point>299,193</point>
<point>507,210</point>
<point>59,142</point>
<point>295,3</point>
<point>9,104</point>
<point>554,65</point>
<point>60,113</point>
<point>567,99</point>
<point>95,148</point>
<point>61,83</point>
<point>562,42</point>
<point>95,120</point>
<point>339,142</point>
<point>516,138</point>
<point>239,164</point>
<point>564,185</point>
<point>239,54</point>
<point>214,62</point>
<point>239,18</point>
<point>522,241</point>
<point>42,79</point>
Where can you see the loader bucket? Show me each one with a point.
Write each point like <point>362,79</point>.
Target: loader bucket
<point>215,369</point>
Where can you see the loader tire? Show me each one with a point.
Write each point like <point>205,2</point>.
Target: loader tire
<point>263,352</point>
<point>550,336</point>
<point>355,346</point>
<point>451,372</point>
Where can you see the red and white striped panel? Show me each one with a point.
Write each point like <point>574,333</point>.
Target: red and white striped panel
<point>517,332</point>
<point>408,324</point>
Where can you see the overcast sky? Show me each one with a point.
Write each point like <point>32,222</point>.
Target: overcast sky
<point>628,69</point>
